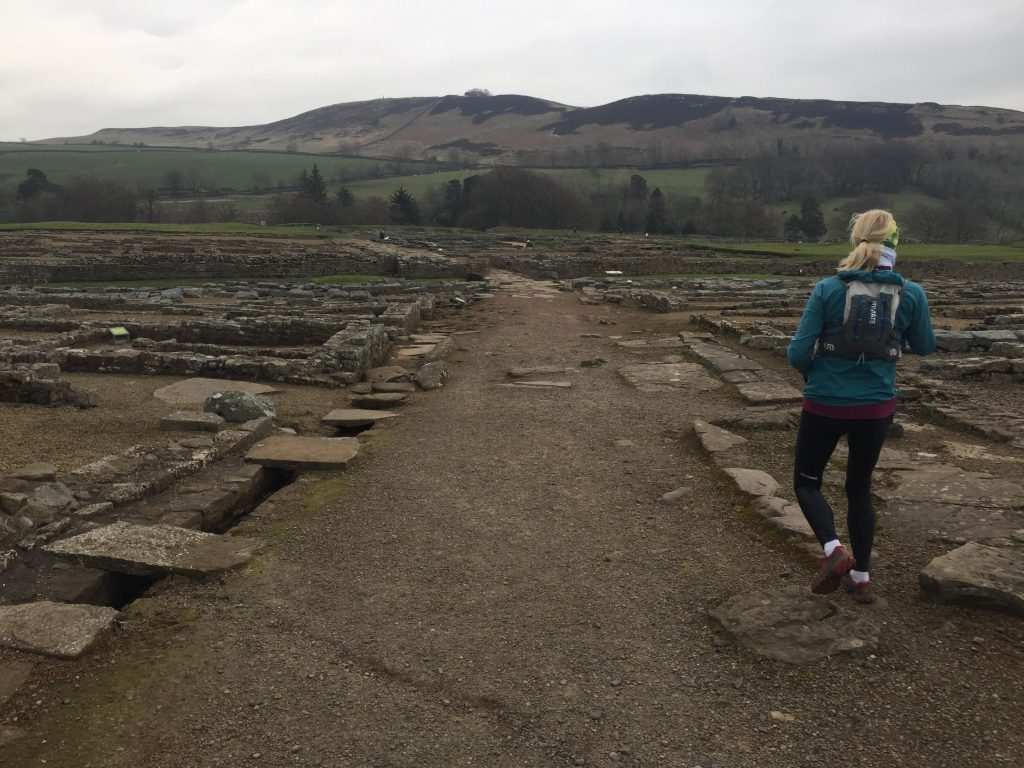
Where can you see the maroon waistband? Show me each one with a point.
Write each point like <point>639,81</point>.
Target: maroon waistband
<point>869,411</point>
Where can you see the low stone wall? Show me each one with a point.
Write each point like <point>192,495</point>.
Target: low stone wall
<point>42,257</point>
<point>41,385</point>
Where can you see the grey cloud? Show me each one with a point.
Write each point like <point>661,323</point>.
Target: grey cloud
<point>233,62</point>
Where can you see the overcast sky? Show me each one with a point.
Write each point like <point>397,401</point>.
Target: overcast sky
<point>71,67</point>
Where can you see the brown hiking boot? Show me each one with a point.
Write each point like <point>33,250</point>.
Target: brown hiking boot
<point>833,568</point>
<point>861,593</point>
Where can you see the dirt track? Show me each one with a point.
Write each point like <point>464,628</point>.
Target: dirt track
<point>496,584</point>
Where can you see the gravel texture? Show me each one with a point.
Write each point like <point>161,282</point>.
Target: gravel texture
<point>496,583</point>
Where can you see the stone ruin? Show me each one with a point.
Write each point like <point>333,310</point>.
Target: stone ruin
<point>968,497</point>
<point>76,545</point>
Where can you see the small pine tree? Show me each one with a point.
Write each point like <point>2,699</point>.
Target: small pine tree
<point>812,220</point>
<point>792,229</point>
<point>345,198</point>
<point>657,213</point>
<point>316,187</point>
<point>403,207</point>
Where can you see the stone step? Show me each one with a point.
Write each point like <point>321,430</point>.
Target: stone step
<point>355,417</point>
<point>155,550</point>
<point>303,453</point>
<point>380,400</point>
<point>54,629</point>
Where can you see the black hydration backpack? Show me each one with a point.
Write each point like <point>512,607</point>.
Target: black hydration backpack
<point>869,329</point>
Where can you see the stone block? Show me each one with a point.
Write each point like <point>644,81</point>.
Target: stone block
<point>753,482</point>
<point>980,575</point>
<point>355,417</point>
<point>155,550</point>
<point>304,453</point>
<point>54,629</point>
<point>383,400</point>
<point>38,472</point>
<point>192,421</point>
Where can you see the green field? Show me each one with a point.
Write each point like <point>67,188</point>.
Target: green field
<point>671,181</point>
<point>222,228</point>
<point>909,251</point>
<point>217,170</point>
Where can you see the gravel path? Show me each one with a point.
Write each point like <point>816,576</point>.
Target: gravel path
<point>495,583</point>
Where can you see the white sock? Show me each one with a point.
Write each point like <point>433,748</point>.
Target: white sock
<point>830,547</point>
<point>860,577</point>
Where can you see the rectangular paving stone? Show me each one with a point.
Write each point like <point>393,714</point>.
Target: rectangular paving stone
<point>665,377</point>
<point>355,417</point>
<point>155,550</point>
<point>380,400</point>
<point>191,421</point>
<point>977,574</point>
<point>299,453</point>
<point>54,629</point>
<point>194,391</point>
<point>768,392</point>
<point>540,384</point>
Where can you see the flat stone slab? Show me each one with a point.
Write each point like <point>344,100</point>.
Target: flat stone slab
<point>642,345</point>
<point>753,482</point>
<point>192,421</point>
<point>297,452</point>
<point>948,484</point>
<point>794,626</point>
<point>355,417</point>
<point>991,577</point>
<point>155,550</point>
<point>379,400</point>
<point>768,393</point>
<point>715,439</point>
<point>539,370</point>
<point>540,384</point>
<point>667,377</point>
<point>387,374</point>
<point>38,472</point>
<point>417,350</point>
<point>63,630</point>
<point>755,419</point>
<point>195,391</point>
<point>783,515</point>
<point>722,359</point>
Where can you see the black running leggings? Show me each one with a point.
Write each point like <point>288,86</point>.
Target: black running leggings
<point>815,443</point>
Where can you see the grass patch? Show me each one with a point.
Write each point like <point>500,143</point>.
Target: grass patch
<point>354,279</point>
<point>218,169</point>
<point>170,282</point>
<point>836,251</point>
<point>220,228</point>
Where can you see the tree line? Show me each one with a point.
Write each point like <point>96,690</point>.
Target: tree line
<point>971,197</point>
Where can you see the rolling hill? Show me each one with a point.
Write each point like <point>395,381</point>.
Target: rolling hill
<point>653,128</point>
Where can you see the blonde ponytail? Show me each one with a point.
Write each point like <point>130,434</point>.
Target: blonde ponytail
<point>868,231</point>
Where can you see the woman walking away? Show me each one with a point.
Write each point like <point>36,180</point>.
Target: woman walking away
<point>852,333</point>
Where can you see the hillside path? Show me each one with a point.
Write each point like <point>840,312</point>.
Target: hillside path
<point>495,582</point>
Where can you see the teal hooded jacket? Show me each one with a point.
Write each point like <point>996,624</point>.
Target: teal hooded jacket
<point>837,381</point>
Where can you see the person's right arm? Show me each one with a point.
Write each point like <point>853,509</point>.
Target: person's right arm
<point>800,352</point>
<point>919,333</point>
